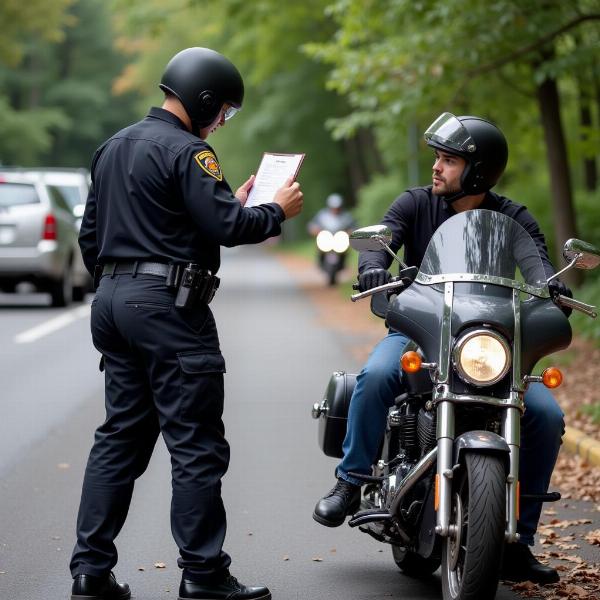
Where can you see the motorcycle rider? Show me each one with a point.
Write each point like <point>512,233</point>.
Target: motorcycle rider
<point>332,218</point>
<point>470,156</point>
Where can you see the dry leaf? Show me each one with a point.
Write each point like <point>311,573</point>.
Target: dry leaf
<point>160,565</point>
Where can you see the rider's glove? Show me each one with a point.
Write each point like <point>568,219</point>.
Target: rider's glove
<point>556,287</point>
<point>373,278</point>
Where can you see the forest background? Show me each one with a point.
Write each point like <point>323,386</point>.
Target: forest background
<point>352,83</point>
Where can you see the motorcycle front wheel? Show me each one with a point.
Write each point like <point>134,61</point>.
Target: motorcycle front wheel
<point>472,552</point>
<point>413,564</point>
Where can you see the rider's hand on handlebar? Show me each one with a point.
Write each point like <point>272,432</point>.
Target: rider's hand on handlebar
<point>556,287</point>
<point>373,278</point>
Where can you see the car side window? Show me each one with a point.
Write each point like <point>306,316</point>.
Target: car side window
<point>15,194</point>
<point>58,198</point>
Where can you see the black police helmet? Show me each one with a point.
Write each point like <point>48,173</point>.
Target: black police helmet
<point>203,80</point>
<point>476,140</point>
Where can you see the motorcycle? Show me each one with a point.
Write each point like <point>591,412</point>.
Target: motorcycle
<point>333,247</point>
<point>445,487</point>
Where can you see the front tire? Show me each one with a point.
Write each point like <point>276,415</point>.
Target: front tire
<point>472,552</point>
<point>413,564</point>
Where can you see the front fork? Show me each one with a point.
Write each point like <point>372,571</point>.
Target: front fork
<point>511,431</point>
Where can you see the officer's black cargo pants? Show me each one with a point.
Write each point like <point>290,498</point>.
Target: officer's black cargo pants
<point>163,373</point>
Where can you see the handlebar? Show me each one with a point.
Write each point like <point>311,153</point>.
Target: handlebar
<point>380,288</point>
<point>587,309</point>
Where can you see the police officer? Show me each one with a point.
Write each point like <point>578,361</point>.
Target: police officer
<point>470,156</point>
<point>158,211</point>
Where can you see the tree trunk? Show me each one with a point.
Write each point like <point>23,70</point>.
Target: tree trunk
<point>586,119</point>
<point>590,171</point>
<point>363,159</point>
<point>560,178</point>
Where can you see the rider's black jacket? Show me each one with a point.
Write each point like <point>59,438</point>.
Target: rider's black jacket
<point>158,194</point>
<point>417,213</point>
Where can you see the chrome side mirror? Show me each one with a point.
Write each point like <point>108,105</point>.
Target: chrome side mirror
<point>374,237</point>
<point>586,256</point>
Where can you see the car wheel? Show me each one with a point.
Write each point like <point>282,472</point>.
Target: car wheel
<point>61,291</point>
<point>78,294</point>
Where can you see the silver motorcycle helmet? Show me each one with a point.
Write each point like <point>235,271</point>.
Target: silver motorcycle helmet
<point>476,140</point>
<point>334,201</point>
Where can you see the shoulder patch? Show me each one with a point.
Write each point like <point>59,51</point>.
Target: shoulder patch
<point>208,163</point>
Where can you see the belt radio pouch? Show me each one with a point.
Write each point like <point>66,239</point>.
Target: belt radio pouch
<point>174,276</point>
<point>197,287</point>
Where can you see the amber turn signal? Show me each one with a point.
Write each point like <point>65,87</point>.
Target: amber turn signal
<point>411,362</point>
<point>552,377</point>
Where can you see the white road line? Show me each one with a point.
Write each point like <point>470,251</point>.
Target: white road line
<point>52,325</point>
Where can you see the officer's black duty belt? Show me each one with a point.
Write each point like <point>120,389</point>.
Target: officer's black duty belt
<point>137,268</point>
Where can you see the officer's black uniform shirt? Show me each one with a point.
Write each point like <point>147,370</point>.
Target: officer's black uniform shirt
<point>158,194</point>
<point>417,213</point>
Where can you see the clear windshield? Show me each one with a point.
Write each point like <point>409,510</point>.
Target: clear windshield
<point>484,246</point>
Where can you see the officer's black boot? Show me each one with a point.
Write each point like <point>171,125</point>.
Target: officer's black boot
<point>229,589</point>
<point>521,565</point>
<point>88,587</point>
<point>342,500</point>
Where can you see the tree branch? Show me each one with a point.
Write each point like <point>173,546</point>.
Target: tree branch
<point>533,46</point>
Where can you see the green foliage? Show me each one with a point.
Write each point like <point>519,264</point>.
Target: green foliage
<point>26,134</point>
<point>376,197</point>
<point>582,324</point>
<point>593,410</point>
<point>20,20</point>
<point>58,105</point>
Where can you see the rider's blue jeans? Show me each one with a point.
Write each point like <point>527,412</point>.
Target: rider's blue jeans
<point>379,383</point>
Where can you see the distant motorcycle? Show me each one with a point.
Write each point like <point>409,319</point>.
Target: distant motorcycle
<point>333,247</point>
<point>445,489</point>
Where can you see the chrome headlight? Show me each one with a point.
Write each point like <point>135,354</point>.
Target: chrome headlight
<point>482,357</point>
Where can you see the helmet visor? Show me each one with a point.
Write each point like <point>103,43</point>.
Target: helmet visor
<point>229,111</point>
<point>449,132</point>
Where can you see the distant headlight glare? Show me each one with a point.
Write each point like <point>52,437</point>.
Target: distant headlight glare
<point>341,241</point>
<point>325,241</point>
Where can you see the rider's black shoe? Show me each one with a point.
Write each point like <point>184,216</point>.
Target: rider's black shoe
<point>228,589</point>
<point>341,501</point>
<point>89,587</point>
<point>521,565</point>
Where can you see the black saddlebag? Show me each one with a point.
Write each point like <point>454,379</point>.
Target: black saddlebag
<point>332,413</point>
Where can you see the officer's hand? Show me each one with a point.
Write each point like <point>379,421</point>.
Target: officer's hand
<point>242,192</point>
<point>556,287</point>
<point>373,278</point>
<point>290,198</point>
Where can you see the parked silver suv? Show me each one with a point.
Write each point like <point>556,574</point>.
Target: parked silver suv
<point>38,235</point>
<point>74,185</point>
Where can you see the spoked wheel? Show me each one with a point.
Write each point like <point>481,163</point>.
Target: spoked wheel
<point>472,552</point>
<point>413,564</point>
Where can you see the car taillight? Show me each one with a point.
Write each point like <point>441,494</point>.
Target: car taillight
<point>49,232</point>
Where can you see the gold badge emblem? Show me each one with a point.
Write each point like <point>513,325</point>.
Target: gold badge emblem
<point>208,163</point>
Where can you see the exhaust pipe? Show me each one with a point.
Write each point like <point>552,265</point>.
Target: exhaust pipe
<point>409,481</point>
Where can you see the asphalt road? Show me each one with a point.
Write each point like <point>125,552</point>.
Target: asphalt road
<point>278,360</point>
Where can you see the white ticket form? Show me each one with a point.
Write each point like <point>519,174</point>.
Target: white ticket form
<point>274,170</point>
